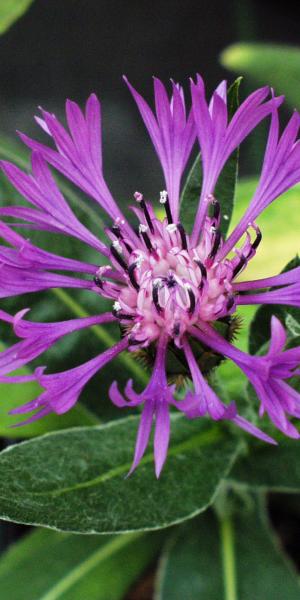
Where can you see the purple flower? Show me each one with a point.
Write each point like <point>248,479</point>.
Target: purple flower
<point>167,287</point>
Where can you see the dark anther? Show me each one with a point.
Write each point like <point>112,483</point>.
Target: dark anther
<point>155,290</point>
<point>257,240</point>
<point>182,236</point>
<point>147,216</point>
<point>146,239</point>
<point>216,210</point>
<point>119,258</point>
<point>176,329</point>
<point>98,281</point>
<point>133,342</point>
<point>122,316</point>
<point>239,266</point>
<point>216,244</point>
<point>170,281</point>
<point>203,273</point>
<point>192,301</point>
<point>115,229</point>
<point>131,270</point>
<point>202,268</point>
<point>230,303</point>
<point>164,199</point>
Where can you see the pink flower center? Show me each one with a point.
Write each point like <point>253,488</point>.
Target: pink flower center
<point>166,284</point>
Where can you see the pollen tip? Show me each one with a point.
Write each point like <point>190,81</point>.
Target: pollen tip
<point>138,196</point>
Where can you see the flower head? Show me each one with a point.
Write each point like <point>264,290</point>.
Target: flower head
<point>167,286</point>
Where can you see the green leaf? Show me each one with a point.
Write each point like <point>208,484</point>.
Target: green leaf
<point>74,567</point>
<point>275,65</point>
<point>225,188</point>
<point>271,468</point>
<point>288,315</point>
<point>76,480</point>
<point>250,566</point>
<point>11,11</point>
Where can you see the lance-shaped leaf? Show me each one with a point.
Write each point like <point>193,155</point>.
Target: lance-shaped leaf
<point>225,188</point>
<point>10,11</point>
<point>271,64</point>
<point>76,481</point>
<point>59,566</point>
<point>235,558</point>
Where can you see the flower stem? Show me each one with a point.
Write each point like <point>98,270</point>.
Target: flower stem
<point>101,334</point>
<point>228,558</point>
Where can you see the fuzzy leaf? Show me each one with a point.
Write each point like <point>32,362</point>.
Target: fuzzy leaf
<point>225,188</point>
<point>192,564</point>
<point>76,480</point>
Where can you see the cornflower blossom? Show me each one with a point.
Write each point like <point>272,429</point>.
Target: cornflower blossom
<point>167,287</point>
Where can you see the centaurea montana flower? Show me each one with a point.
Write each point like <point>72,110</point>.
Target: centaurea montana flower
<point>167,288</point>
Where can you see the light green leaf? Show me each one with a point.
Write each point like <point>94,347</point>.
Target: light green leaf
<point>76,480</point>
<point>59,566</point>
<point>11,11</point>
<point>225,188</point>
<point>237,558</point>
<point>267,64</point>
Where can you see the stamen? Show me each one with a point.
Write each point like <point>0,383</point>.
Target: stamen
<point>115,229</point>
<point>155,289</point>
<point>257,240</point>
<point>216,210</point>
<point>216,244</point>
<point>143,232</point>
<point>171,228</point>
<point>131,270</point>
<point>116,306</point>
<point>176,329</point>
<point>98,281</point>
<point>116,244</point>
<point>164,199</point>
<point>239,266</point>
<point>133,342</point>
<point>116,312</point>
<point>203,273</point>
<point>117,255</point>
<point>182,236</point>
<point>192,299</point>
<point>230,303</point>
<point>140,199</point>
<point>171,281</point>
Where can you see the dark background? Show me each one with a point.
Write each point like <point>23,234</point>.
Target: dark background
<point>68,48</point>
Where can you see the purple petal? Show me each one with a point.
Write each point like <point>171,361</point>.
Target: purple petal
<point>143,435</point>
<point>161,436</point>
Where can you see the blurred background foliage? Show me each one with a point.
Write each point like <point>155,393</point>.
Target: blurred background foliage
<point>68,48</point>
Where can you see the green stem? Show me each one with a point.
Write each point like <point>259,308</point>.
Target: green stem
<point>102,334</point>
<point>228,558</point>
